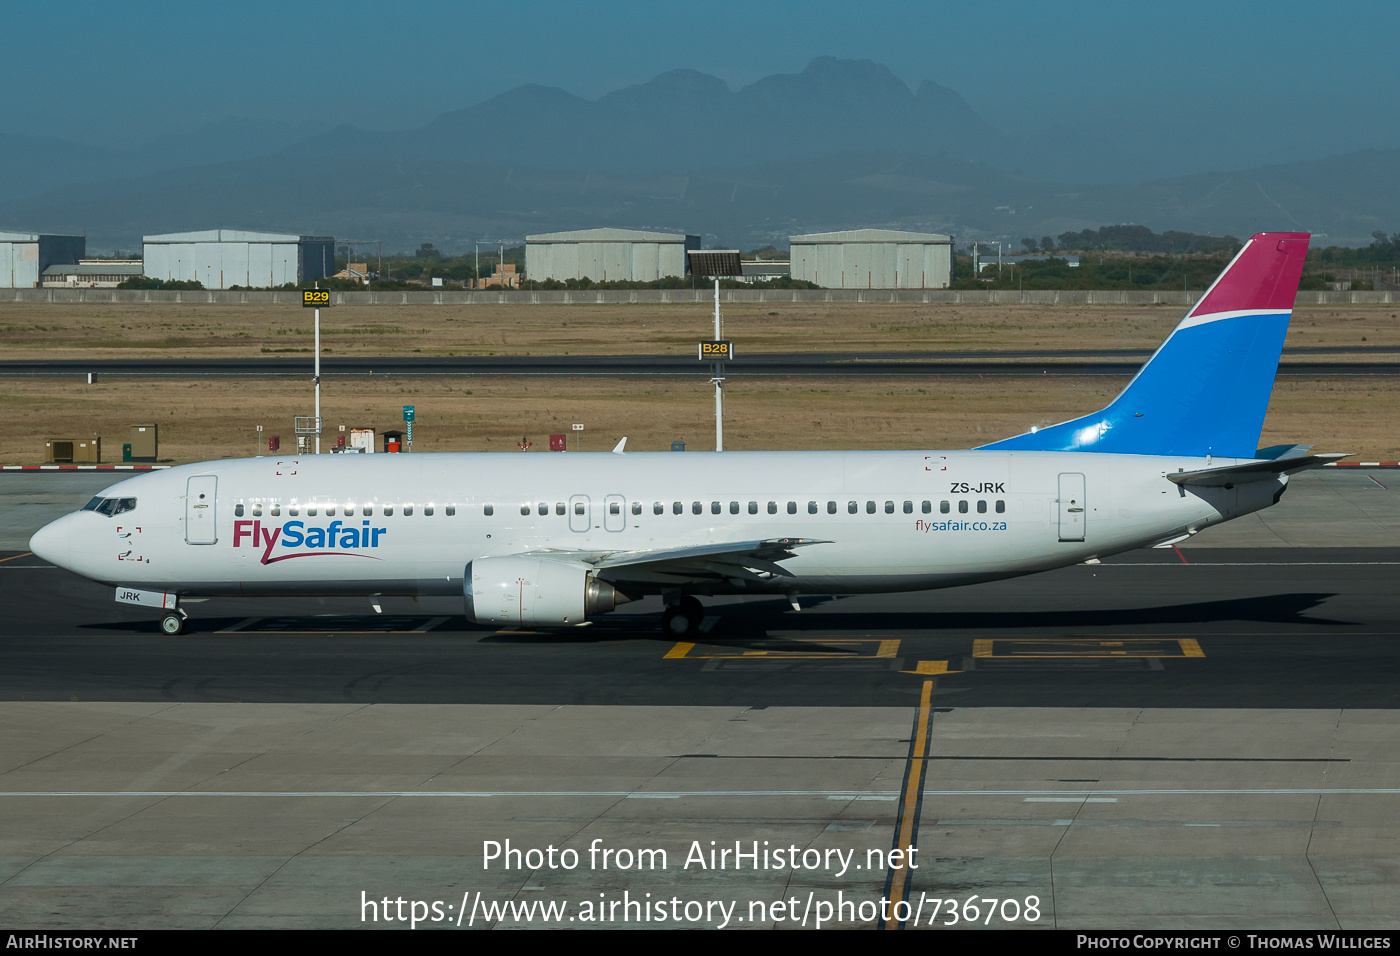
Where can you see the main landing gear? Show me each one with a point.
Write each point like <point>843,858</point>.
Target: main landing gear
<point>174,621</point>
<point>682,619</point>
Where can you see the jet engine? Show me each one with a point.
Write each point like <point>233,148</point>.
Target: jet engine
<point>519,590</point>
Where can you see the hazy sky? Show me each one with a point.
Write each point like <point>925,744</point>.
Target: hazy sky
<point>1282,74</point>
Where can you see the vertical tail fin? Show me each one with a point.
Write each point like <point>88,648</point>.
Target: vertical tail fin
<point>1206,389</point>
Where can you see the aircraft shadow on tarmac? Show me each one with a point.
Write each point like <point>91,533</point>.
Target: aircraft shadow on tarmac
<point>766,621</point>
<point>1292,608</point>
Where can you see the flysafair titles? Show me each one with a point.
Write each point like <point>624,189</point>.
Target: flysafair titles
<point>280,542</point>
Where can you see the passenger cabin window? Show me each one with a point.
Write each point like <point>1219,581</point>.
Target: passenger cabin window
<point>962,507</point>
<point>696,508</point>
<point>636,507</point>
<point>524,509</point>
<point>1001,506</point>
<point>981,507</point>
<point>811,507</point>
<point>753,507</point>
<point>853,507</point>
<point>428,509</point>
<point>926,507</point>
<point>943,507</point>
<point>542,508</point>
<point>450,510</point>
<point>311,510</point>
<point>677,508</point>
<point>578,507</point>
<point>330,511</point>
<point>657,508</point>
<point>276,509</point>
<point>614,508</point>
<point>772,507</point>
<point>560,509</point>
<point>792,507</point>
<point>733,507</point>
<point>831,507</point>
<point>715,507</point>
<point>238,510</point>
<point>368,510</point>
<point>293,510</point>
<point>388,509</point>
<point>257,509</point>
<point>870,507</point>
<point>488,510</point>
<point>407,510</point>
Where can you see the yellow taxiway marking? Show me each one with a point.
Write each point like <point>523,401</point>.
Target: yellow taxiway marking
<point>845,648</point>
<point>996,647</point>
<point>931,669</point>
<point>13,556</point>
<point>909,800</point>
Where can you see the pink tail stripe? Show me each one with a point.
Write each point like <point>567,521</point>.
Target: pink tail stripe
<point>1259,279</point>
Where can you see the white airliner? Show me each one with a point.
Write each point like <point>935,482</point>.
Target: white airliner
<point>553,539</point>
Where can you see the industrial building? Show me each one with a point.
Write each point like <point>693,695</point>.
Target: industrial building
<point>25,255</point>
<point>92,274</point>
<point>607,255</point>
<point>223,258</point>
<point>873,259</point>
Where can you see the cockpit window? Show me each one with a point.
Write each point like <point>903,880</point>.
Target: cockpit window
<point>110,506</point>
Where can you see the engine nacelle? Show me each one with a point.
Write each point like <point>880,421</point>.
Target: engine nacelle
<point>526,591</point>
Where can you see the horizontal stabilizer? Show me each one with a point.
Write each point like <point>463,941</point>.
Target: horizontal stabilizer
<point>1253,470</point>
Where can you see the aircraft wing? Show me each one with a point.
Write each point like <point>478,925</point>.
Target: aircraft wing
<point>746,560</point>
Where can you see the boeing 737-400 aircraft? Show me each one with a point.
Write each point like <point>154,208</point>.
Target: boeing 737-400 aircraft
<point>551,540</point>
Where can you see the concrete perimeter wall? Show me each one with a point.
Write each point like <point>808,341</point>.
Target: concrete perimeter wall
<point>621,297</point>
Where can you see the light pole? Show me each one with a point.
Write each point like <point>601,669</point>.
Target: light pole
<point>716,263</point>
<point>318,376</point>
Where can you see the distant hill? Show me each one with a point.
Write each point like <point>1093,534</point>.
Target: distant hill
<point>841,144</point>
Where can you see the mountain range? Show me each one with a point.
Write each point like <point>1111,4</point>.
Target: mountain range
<point>842,144</point>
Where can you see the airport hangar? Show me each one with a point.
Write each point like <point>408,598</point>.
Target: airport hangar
<point>222,258</point>
<point>873,259</point>
<point>25,255</point>
<point>607,255</point>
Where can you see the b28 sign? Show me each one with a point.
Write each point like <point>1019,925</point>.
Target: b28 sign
<point>315,298</point>
<point>716,351</point>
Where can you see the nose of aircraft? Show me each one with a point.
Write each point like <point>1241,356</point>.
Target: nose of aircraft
<point>51,542</point>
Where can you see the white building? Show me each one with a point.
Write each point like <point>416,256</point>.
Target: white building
<point>25,255</point>
<point>223,258</point>
<point>873,259</point>
<point>607,255</point>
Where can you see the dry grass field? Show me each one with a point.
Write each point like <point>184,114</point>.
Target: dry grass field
<point>213,418</point>
<point>227,331</point>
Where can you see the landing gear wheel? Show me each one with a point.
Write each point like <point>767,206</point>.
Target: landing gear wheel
<point>172,623</point>
<point>683,619</point>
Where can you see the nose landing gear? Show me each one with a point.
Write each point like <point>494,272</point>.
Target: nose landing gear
<point>174,621</point>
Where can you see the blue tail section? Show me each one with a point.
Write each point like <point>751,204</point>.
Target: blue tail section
<point>1206,389</point>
